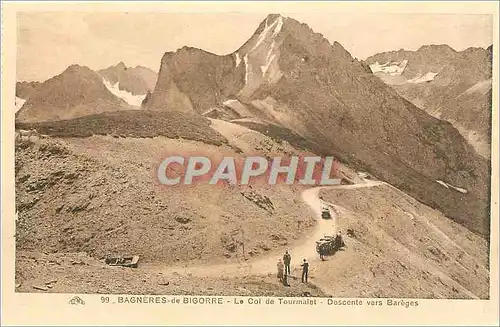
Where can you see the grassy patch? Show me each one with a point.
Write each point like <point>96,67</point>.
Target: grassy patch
<point>132,123</point>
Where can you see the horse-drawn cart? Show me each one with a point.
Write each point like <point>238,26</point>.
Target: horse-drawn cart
<point>329,245</point>
<point>325,245</point>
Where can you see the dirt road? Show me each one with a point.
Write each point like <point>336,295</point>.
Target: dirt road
<point>304,249</point>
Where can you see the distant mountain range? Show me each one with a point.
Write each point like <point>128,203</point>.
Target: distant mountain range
<point>137,80</point>
<point>288,78</point>
<point>80,91</point>
<point>452,85</point>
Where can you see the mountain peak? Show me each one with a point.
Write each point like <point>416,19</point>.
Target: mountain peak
<point>275,28</point>
<point>475,50</point>
<point>279,46</point>
<point>121,65</point>
<point>272,17</point>
<point>77,91</point>
<point>75,68</point>
<point>436,48</point>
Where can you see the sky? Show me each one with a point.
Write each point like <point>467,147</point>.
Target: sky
<point>48,42</point>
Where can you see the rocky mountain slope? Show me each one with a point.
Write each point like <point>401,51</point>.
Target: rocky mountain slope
<point>135,80</point>
<point>288,76</point>
<point>25,89</point>
<point>76,92</point>
<point>454,86</point>
<point>23,92</point>
<point>129,84</point>
<point>192,80</point>
<point>428,58</point>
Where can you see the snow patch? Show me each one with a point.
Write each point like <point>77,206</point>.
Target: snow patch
<point>362,174</point>
<point>133,100</point>
<point>19,103</point>
<point>482,87</point>
<point>237,106</point>
<point>247,69</point>
<point>262,56</point>
<point>392,68</point>
<point>424,78</point>
<point>230,102</point>
<point>269,59</point>
<point>461,190</point>
<point>272,107</point>
<point>277,24</point>
<point>443,183</point>
<point>237,58</point>
<point>268,63</point>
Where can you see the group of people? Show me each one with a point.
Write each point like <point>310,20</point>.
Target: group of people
<point>284,270</point>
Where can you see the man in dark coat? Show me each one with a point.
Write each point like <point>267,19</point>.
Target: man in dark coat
<point>339,241</point>
<point>286,260</point>
<point>305,271</point>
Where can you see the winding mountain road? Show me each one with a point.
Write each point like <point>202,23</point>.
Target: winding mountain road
<point>305,249</point>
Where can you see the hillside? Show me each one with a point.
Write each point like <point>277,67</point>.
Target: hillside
<point>402,247</point>
<point>289,76</point>
<point>71,198</point>
<point>76,92</point>
<point>450,85</point>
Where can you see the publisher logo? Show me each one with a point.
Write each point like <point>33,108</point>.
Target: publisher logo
<point>76,300</point>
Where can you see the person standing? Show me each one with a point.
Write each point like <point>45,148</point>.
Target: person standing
<point>339,241</point>
<point>305,271</point>
<point>287,258</point>
<point>280,270</point>
<point>322,252</point>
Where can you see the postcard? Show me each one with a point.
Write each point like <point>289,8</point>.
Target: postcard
<point>250,163</point>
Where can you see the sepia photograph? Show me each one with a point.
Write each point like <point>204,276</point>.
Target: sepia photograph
<point>288,156</point>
